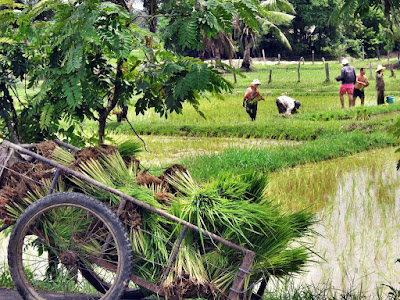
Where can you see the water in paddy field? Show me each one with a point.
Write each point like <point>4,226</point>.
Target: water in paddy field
<point>357,201</point>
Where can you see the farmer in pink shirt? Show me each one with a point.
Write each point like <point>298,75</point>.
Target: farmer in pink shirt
<point>348,78</point>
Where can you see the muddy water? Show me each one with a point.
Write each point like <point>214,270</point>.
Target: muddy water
<point>357,201</point>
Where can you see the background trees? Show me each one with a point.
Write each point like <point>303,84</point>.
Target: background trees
<point>88,57</point>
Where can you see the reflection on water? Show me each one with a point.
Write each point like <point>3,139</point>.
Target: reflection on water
<point>359,220</point>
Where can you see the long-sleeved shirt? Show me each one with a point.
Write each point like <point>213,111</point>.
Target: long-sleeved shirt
<point>287,102</point>
<point>380,84</point>
<point>347,75</point>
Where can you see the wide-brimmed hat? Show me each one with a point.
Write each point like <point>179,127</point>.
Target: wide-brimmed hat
<point>380,67</point>
<point>345,61</point>
<point>255,81</point>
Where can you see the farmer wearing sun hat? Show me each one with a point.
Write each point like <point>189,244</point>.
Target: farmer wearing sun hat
<point>348,78</point>
<point>251,98</point>
<point>380,85</point>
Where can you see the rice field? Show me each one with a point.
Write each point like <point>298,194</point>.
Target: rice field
<point>357,201</point>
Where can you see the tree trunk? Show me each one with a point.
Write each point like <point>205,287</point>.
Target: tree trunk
<point>12,123</point>
<point>246,55</point>
<point>112,102</point>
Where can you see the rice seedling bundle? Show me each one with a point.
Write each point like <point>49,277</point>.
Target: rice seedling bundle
<point>232,206</point>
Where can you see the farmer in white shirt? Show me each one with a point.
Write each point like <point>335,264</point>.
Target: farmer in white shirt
<point>287,105</point>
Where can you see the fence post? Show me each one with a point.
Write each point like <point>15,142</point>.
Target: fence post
<point>263,54</point>
<point>270,76</point>
<point>370,71</point>
<point>298,71</point>
<point>392,71</point>
<point>340,56</point>
<point>279,59</point>
<point>327,71</point>
<point>323,60</point>
<point>312,54</point>
<point>362,50</point>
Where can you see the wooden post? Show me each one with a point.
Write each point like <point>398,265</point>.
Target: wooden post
<point>238,63</point>
<point>302,59</point>
<point>279,59</point>
<point>340,56</point>
<point>398,56</point>
<point>298,71</point>
<point>270,76</point>
<point>263,53</point>
<point>363,52</point>
<point>327,71</point>
<point>312,55</point>
<point>370,71</point>
<point>392,71</point>
<point>323,60</point>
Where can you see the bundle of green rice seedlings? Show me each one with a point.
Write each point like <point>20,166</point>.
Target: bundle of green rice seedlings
<point>62,156</point>
<point>16,208</point>
<point>235,208</point>
<point>129,148</point>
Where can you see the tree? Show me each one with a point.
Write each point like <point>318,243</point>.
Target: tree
<point>84,64</point>
<point>271,14</point>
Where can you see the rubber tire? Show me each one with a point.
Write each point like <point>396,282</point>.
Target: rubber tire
<point>76,200</point>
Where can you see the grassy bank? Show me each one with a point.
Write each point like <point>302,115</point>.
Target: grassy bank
<point>270,160</point>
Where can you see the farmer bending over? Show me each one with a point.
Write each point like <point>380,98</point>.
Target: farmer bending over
<point>287,105</point>
<point>251,98</point>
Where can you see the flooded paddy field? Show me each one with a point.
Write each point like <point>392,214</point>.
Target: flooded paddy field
<point>357,203</point>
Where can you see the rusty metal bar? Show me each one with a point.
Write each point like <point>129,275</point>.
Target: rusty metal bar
<point>244,270</point>
<point>128,198</point>
<point>174,253</point>
<point>66,145</point>
<point>55,179</point>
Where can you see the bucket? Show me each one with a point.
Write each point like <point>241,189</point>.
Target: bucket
<point>390,99</point>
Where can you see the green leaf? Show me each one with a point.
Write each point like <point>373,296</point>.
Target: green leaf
<point>187,33</point>
<point>72,91</point>
<point>46,116</point>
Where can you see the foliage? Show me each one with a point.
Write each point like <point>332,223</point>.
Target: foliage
<point>84,65</point>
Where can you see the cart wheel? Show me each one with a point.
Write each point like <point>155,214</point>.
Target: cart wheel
<point>61,236</point>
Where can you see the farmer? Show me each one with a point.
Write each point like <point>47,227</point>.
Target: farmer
<point>348,78</point>
<point>251,98</point>
<point>361,83</point>
<point>287,105</point>
<point>380,85</point>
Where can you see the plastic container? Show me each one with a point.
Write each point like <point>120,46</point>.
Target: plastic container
<point>390,99</point>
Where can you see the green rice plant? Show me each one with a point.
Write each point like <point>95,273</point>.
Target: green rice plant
<point>129,147</point>
<point>224,207</point>
<point>62,156</point>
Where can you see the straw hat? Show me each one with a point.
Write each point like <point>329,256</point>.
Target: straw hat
<point>380,67</point>
<point>255,81</point>
<point>345,61</point>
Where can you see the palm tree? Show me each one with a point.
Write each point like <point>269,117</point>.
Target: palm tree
<point>389,8</point>
<point>272,14</point>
